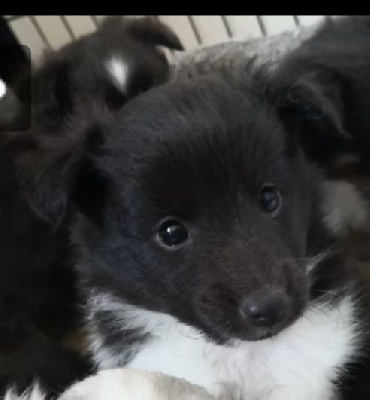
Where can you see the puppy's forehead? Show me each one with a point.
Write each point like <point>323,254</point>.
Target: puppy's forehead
<point>204,133</point>
<point>204,115</point>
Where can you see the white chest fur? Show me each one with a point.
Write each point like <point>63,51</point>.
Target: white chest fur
<point>300,363</point>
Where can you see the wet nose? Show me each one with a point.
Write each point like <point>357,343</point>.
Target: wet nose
<point>266,308</point>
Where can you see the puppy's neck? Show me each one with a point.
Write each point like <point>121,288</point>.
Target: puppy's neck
<point>301,362</point>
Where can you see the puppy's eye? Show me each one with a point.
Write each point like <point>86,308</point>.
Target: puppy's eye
<point>270,200</point>
<point>172,233</point>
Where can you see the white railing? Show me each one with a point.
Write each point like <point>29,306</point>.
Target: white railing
<point>40,32</point>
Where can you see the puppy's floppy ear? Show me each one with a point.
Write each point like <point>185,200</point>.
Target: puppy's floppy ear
<point>128,51</point>
<point>148,30</point>
<point>312,106</point>
<point>54,170</point>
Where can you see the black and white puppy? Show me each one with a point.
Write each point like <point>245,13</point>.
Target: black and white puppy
<point>203,249</point>
<point>333,69</point>
<point>38,299</point>
<point>120,60</point>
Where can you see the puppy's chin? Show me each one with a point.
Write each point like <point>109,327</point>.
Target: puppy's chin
<point>237,339</point>
<point>257,335</point>
<point>232,335</point>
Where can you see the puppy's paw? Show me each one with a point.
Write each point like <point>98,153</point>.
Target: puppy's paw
<point>126,384</point>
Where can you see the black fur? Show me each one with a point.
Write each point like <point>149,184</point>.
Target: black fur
<point>38,298</point>
<point>199,151</point>
<point>328,82</point>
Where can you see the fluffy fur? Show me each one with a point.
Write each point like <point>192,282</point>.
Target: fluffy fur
<point>125,384</point>
<point>201,152</point>
<point>303,359</point>
<point>40,318</point>
<point>193,150</point>
<point>344,208</point>
<point>327,78</point>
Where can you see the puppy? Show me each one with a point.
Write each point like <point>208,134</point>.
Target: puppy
<point>120,60</point>
<point>203,251</point>
<point>40,316</point>
<point>332,69</point>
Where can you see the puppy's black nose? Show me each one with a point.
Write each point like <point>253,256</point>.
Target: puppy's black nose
<point>265,308</point>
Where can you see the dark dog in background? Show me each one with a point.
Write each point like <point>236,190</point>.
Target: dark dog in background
<point>332,68</point>
<point>38,299</point>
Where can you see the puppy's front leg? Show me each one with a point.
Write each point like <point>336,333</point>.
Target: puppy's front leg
<point>126,384</point>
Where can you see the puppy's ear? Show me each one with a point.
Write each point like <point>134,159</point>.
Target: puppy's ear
<point>54,171</point>
<point>312,108</point>
<point>148,30</point>
<point>127,58</point>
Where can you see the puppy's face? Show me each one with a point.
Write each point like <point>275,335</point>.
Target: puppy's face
<point>205,212</point>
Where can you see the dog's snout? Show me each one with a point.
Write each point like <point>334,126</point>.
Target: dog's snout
<point>265,309</point>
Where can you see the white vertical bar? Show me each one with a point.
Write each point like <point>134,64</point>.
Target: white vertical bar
<point>101,18</point>
<point>27,34</point>
<point>80,24</point>
<point>275,24</point>
<point>308,20</point>
<point>54,30</point>
<point>244,26</point>
<point>211,29</point>
<point>182,27</point>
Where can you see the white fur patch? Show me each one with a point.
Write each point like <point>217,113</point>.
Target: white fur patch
<point>119,70</point>
<point>33,393</point>
<point>104,358</point>
<point>314,261</point>
<point>2,89</point>
<point>299,363</point>
<point>125,384</point>
<point>343,207</point>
